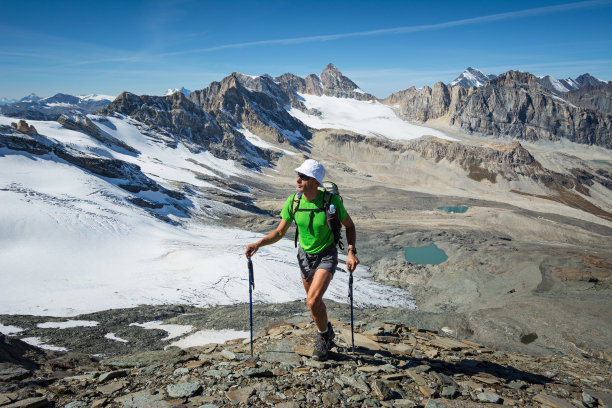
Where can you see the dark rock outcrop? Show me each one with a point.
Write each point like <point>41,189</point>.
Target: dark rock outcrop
<point>23,127</point>
<point>16,352</point>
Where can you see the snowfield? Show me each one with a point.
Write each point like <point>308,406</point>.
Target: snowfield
<point>71,243</point>
<point>369,118</point>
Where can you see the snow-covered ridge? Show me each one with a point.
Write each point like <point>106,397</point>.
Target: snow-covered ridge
<point>472,77</point>
<point>96,97</point>
<point>183,90</point>
<point>370,118</point>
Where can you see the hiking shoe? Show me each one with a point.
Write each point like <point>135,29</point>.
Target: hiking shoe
<point>323,343</point>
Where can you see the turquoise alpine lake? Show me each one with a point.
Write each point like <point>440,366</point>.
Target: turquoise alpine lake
<point>430,255</point>
<point>458,210</point>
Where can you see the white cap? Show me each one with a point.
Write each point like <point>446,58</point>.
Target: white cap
<point>312,168</point>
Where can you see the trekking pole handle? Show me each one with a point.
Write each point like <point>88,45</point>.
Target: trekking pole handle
<point>251,274</point>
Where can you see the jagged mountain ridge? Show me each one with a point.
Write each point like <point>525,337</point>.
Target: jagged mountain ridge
<point>257,106</point>
<point>176,119</point>
<point>259,103</point>
<point>35,108</point>
<point>559,86</point>
<point>217,118</point>
<point>475,77</point>
<point>514,104</point>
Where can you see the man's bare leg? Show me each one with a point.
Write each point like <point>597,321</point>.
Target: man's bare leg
<point>315,289</point>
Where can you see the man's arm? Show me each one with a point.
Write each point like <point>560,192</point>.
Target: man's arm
<point>269,239</point>
<point>351,239</point>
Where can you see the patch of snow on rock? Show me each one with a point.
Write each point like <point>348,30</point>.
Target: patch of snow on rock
<point>111,336</point>
<point>67,324</point>
<point>9,330</point>
<point>173,330</point>
<point>37,342</point>
<point>203,337</point>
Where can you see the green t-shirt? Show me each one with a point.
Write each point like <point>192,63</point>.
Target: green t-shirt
<point>313,240</point>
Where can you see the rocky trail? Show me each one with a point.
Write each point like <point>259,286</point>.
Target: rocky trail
<point>393,366</point>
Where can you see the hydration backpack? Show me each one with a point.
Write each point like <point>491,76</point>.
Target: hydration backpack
<point>333,222</point>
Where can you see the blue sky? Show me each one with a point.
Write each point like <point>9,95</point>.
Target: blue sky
<point>146,47</point>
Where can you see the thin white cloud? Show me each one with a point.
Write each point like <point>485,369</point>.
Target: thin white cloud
<point>402,30</point>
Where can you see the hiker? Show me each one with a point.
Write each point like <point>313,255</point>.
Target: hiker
<point>317,253</point>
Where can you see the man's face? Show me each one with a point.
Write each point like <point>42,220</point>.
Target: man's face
<point>304,182</point>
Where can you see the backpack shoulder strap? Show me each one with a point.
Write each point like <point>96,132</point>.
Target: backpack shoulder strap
<point>296,203</point>
<point>327,199</point>
<point>297,197</point>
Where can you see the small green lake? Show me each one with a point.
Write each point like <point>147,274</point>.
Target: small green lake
<point>430,255</point>
<point>457,210</point>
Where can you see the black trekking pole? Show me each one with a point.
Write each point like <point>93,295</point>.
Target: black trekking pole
<point>251,288</point>
<point>350,294</point>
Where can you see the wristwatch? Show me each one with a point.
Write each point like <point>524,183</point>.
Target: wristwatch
<point>353,249</point>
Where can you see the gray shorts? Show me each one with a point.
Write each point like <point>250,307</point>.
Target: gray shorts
<point>309,263</point>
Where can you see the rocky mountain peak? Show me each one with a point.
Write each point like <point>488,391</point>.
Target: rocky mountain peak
<point>331,67</point>
<point>471,77</point>
<point>560,86</point>
<point>30,98</point>
<point>182,90</point>
<point>588,79</point>
<point>61,98</point>
<point>334,83</point>
<point>517,79</point>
